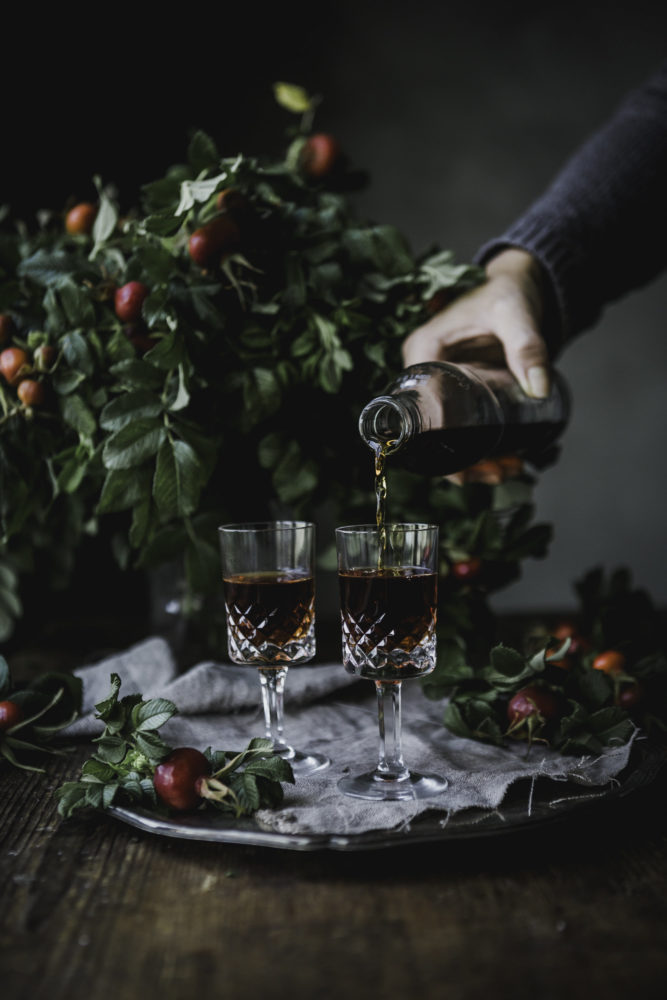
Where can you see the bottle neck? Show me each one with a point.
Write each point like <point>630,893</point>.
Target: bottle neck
<point>387,422</point>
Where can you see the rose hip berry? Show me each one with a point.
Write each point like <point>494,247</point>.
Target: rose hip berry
<point>10,715</point>
<point>578,642</point>
<point>610,662</point>
<point>30,392</point>
<point>629,696</point>
<point>531,701</point>
<point>175,779</point>
<point>319,155</point>
<point>220,236</point>
<point>14,364</point>
<point>129,299</point>
<point>81,219</point>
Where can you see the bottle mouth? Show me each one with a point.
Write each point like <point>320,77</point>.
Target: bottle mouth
<point>382,423</point>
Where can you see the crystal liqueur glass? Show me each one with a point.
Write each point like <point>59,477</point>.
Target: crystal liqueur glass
<point>388,595</point>
<point>269,589</point>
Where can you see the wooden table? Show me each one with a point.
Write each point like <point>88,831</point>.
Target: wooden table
<point>92,908</point>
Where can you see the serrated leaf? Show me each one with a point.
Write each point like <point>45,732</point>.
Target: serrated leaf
<point>128,407</point>
<point>77,414</point>
<point>105,706</point>
<point>77,352</point>
<point>105,222</point>
<point>123,489</point>
<point>202,152</point>
<point>135,374</point>
<point>133,444</point>
<point>152,746</point>
<point>178,479</point>
<point>149,715</point>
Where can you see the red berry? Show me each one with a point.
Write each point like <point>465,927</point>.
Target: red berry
<point>80,219</point>
<point>6,327</point>
<point>10,715</point>
<point>610,662</point>
<point>129,299</point>
<point>578,642</point>
<point>14,364</point>
<point>219,236</point>
<point>30,392</point>
<point>630,695</point>
<point>175,779</point>
<point>530,701</point>
<point>319,154</point>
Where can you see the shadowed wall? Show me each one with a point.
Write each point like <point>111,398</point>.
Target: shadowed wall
<point>461,117</point>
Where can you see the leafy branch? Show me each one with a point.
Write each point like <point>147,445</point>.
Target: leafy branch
<point>130,752</point>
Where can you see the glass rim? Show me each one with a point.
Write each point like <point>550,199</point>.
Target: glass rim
<point>374,529</point>
<point>256,526</point>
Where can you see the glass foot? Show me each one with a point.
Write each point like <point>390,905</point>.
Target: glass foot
<point>373,786</point>
<point>303,762</point>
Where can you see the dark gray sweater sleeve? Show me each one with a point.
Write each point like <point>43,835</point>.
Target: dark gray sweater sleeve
<point>600,229</point>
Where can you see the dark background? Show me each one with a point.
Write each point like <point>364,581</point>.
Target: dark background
<point>461,116</point>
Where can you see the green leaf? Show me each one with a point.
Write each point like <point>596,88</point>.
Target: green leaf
<point>133,444</point>
<point>152,746</point>
<point>77,414</point>
<point>128,407</point>
<point>168,353</point>
<point>294,478</point>
<point>381,247</point>
<point>5,678</point>
<point>104,707</point>
<point>141,517</point>
<point>77,352</point>
<point>52,268</point>
<point>202,152</point>
<point>111,749</point>
<point>123,488</point>
<point>105,221</point>
<point>261,393</point>
<point>178,479</point>
<point>148,715</point>
<point>292,97</point>
<point>135,374</point>
<point>64,380</point>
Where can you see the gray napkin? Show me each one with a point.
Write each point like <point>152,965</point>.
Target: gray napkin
<point>219,706</point>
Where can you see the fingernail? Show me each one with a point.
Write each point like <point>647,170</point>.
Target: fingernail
<point>538,382</point>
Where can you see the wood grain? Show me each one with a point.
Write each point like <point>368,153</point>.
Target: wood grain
<point>94,909</point>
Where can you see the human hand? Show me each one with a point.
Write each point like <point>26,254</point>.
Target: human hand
<point>497,322</point>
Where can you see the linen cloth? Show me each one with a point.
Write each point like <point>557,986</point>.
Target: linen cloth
<point>220,706</point>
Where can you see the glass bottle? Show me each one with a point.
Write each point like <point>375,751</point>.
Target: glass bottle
<point>438,418</point>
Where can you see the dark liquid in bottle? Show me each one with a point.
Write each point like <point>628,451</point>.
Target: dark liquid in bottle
<point>392,607</point>
<point>270,607</point>
<point>443,452</point>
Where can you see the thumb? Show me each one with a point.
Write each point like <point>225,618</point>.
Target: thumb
<point>528,360</point>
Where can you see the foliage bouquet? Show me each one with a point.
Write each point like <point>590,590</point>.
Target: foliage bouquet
<point>205,358</point>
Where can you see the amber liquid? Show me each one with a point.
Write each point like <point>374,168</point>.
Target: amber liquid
<point>276,608</point>
<point>381,452</point>
<point>443,452</point>
<point>385,611</point>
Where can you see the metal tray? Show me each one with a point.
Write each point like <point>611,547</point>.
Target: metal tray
<point>526,806</point>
